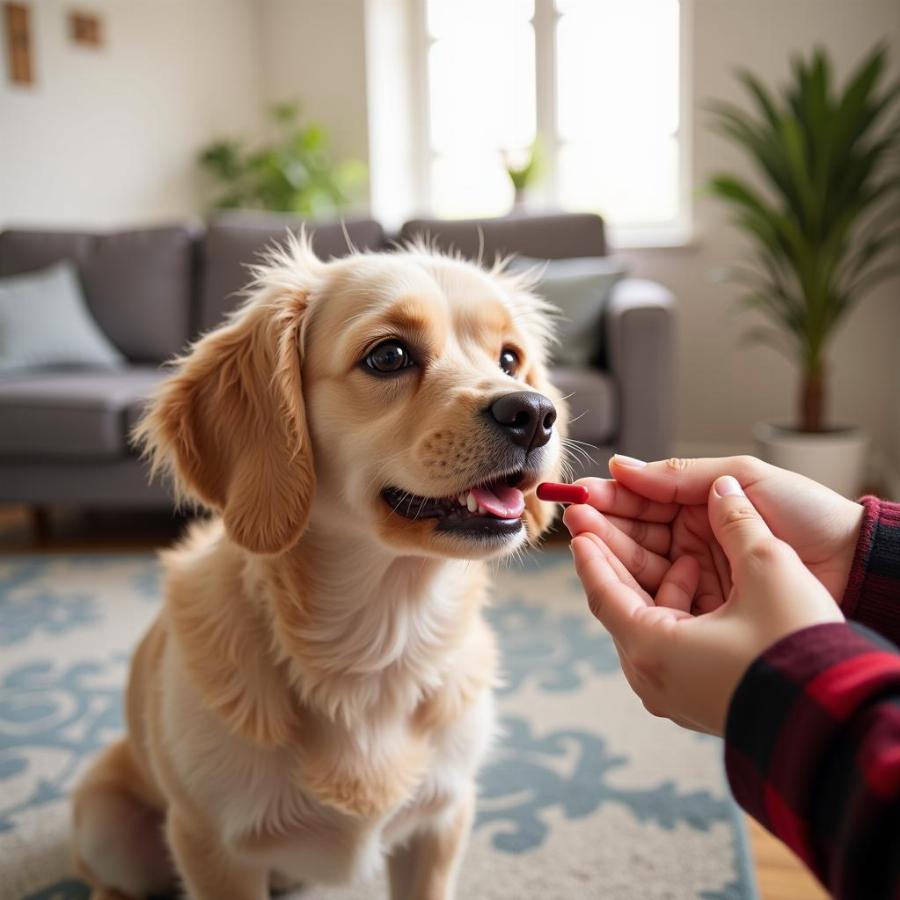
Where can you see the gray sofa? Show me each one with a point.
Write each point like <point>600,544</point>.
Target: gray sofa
<point>64,434</point>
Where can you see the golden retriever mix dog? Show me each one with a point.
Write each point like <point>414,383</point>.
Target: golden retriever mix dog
<point>316,694</point>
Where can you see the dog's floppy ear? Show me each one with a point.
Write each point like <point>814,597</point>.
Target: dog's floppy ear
<point>230,425</point>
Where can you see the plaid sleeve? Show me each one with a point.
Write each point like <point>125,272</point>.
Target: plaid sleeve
<point>873,589</point>
<point>812,750</point>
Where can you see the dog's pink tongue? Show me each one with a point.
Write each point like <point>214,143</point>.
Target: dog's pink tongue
<point>500,500</point>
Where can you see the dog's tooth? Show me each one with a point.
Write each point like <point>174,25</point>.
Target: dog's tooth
<point>471,503</point>
<point>481,510</point>
<point>462,499</point>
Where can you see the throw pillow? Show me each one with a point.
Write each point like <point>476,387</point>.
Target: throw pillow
<point>45,321</point>
<point>579,288</point>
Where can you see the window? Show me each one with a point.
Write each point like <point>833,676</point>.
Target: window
<point>617,109</point>
<point>481,100</point>
<point>596,82</point>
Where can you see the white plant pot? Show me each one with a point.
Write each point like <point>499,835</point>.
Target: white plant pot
<point>835,458</point>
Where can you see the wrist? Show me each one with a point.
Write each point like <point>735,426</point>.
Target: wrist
<point>851,523</point>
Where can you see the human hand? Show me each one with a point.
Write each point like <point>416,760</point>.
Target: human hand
<point>653,514</point>
<point>686,667</point>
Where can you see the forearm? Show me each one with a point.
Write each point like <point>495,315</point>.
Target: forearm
<point>813,753</point>
<point>873,590</point>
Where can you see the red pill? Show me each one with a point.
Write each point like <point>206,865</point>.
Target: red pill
<point>562,493</point>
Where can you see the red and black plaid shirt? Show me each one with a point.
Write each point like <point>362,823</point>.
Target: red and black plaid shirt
<point>812,742</point>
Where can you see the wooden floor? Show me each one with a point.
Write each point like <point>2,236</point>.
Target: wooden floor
<point>780,876</point>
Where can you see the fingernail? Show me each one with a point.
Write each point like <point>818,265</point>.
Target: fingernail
<point>628,461</point>
<point>726,486</point>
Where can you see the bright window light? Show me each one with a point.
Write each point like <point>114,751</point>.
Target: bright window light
<point>617,77</point>
<point>596,81</point>
<point>481,98</point>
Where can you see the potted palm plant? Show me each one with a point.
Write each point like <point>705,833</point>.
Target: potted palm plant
<point>823,227</point>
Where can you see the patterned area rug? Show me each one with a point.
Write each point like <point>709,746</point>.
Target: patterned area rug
<point>585,796</point>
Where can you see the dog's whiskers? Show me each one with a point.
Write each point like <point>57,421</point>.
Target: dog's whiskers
<point>580,415</point>
<point>578,446</point>
<point>579,454</point>
<point>582,443</point>
<point>404,497</point>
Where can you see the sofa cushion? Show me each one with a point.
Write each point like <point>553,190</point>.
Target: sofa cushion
<point>593,410</point>
<point>235,240</point>
<point>73,413</point>
<point>560,236</point>
<point>138,284</point>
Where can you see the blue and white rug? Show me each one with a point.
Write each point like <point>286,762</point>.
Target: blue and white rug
<point>586,796</point>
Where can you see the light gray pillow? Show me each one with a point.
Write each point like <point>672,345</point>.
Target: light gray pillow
<point>579,288</point>
<point>45,321</point>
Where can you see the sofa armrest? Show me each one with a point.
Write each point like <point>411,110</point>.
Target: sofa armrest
<point>640,354</point>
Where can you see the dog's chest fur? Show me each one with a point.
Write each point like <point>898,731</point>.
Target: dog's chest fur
<point>265,808</point>
<point>368,724</point>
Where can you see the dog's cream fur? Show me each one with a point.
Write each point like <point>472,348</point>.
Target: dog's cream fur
<point>315,695</point>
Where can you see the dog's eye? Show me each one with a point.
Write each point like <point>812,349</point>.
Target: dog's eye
<point>388,357</point>
<point>509,361</point>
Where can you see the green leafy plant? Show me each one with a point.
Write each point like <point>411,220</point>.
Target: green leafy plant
<point>295,172</point>
<point>523,169</point>
<point>826,219</point>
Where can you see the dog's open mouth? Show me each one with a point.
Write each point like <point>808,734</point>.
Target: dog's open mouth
<point>488,509</point>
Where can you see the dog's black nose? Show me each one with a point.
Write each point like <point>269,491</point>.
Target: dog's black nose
<point>525,417</point>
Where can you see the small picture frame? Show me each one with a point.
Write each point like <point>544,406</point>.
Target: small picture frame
<point>85,29</point>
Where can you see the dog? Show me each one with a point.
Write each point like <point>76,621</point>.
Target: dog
<point>315,698</point>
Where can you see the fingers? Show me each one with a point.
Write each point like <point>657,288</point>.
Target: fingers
<point>679,585</point>
<point>611,601</point>
<point>723,569</point>
<point>709,595</point>
<point>684,481</point>
<point>647,567</point>
<point>624,575</point>
<point>737,526</point>
<point>611,497</point>
<point>651,536</point>
<point>654,536</point>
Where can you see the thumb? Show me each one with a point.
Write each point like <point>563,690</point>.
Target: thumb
<point>738,527</point>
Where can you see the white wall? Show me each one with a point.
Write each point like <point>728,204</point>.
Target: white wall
<point>315,51</point>
<point>723,390</point>
<point>110,136</point>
